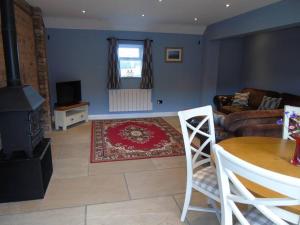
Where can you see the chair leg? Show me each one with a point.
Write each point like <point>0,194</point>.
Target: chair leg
<point>187,200</point>
<point>213,204</point>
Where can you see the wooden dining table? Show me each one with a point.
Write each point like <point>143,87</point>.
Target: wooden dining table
<point>270,153</point>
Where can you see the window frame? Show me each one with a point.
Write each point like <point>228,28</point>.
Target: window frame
<point>138,59</point>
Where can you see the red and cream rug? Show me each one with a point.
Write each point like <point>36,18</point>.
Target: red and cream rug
<point>116,140</point>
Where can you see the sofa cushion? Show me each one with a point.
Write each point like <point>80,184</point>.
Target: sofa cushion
<point>262,130</point>
<point>269,103</point>
<point>235,120</point>
<point>256,96</point>
<point>234,108</point>
<point>240,99</point>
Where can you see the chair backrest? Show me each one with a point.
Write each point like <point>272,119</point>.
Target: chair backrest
<point>228,166</point>
<point>288,111</point>
<point>195,156</point>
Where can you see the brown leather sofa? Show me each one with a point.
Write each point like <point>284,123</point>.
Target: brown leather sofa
<point>248,121</point>
<point>224,102</point>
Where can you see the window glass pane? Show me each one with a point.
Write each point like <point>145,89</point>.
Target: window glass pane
<point>130,68</point>
<point>130,60</point>
<point>124,52</point>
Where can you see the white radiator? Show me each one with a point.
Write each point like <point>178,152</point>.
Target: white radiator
<point>126,100</point>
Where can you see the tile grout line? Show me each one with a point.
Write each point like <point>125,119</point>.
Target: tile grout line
<point>88,168</point>
<point>158,196</point>
<point>135,199</point>
<point>137,171</point>
<point>127,187</point>
<point>155,170</point>
<point>38,211</point>
<point>90,204</point>
<point>85,215</point>
<point>186,219</point>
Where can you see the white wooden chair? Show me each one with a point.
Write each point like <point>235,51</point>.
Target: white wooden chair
<point>202,179</point>
<point>264,211</point>
<point>286,120</point>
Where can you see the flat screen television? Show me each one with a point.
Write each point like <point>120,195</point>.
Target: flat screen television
<point>68,93</point>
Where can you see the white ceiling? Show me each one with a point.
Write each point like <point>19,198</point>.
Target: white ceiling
<point>166,16</point>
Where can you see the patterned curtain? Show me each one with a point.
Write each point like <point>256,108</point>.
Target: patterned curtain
<point>147,70</point>
<point>113,67</point>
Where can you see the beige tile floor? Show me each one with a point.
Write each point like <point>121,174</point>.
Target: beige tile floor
<point>138,192</point>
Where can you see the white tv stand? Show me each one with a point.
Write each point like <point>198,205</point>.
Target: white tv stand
<point>69,115</point>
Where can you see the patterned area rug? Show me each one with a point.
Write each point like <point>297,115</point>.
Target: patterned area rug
<point>116,140</point>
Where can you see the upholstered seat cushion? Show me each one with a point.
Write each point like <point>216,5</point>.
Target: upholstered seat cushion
<point>207,180</point>
<point>255,217</point>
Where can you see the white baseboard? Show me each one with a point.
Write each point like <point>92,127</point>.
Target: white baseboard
<point>131,115</point>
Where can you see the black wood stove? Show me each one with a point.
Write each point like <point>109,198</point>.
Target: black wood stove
<point>20,106</point>
<point>22,176</point>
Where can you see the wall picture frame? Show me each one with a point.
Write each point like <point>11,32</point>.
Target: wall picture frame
<point>174,55</point>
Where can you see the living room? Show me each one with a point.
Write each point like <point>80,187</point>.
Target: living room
<point>221,48</point>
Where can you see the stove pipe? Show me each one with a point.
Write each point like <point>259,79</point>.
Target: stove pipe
<point>10,47</point>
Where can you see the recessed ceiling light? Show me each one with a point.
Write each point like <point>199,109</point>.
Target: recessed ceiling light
<point>227,5</point>
<point>195,19</point>
<point>159,0</point>
<point>83,11</point>
<point>143,15</point>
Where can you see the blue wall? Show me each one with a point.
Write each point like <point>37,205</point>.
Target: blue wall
<point>272,61</point>
<point>282,14</point>
<point>230,75</point>
<point>82,55</point>
<point>209,70</point>
<point>265,60</point>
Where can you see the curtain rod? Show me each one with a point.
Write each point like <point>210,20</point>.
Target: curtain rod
<point>122,39</point>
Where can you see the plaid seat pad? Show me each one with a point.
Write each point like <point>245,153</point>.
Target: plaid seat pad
<point>255,217</point>
<point>206,179</point>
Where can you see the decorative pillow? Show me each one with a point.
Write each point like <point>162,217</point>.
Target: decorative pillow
<point>241,99</point>
<point>269,103</point>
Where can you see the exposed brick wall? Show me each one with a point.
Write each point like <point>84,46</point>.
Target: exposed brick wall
<point>26,47</point>
<point>42,64</point>
<point>32,54</point>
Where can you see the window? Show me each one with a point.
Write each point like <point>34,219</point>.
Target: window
<point>130,60</point>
